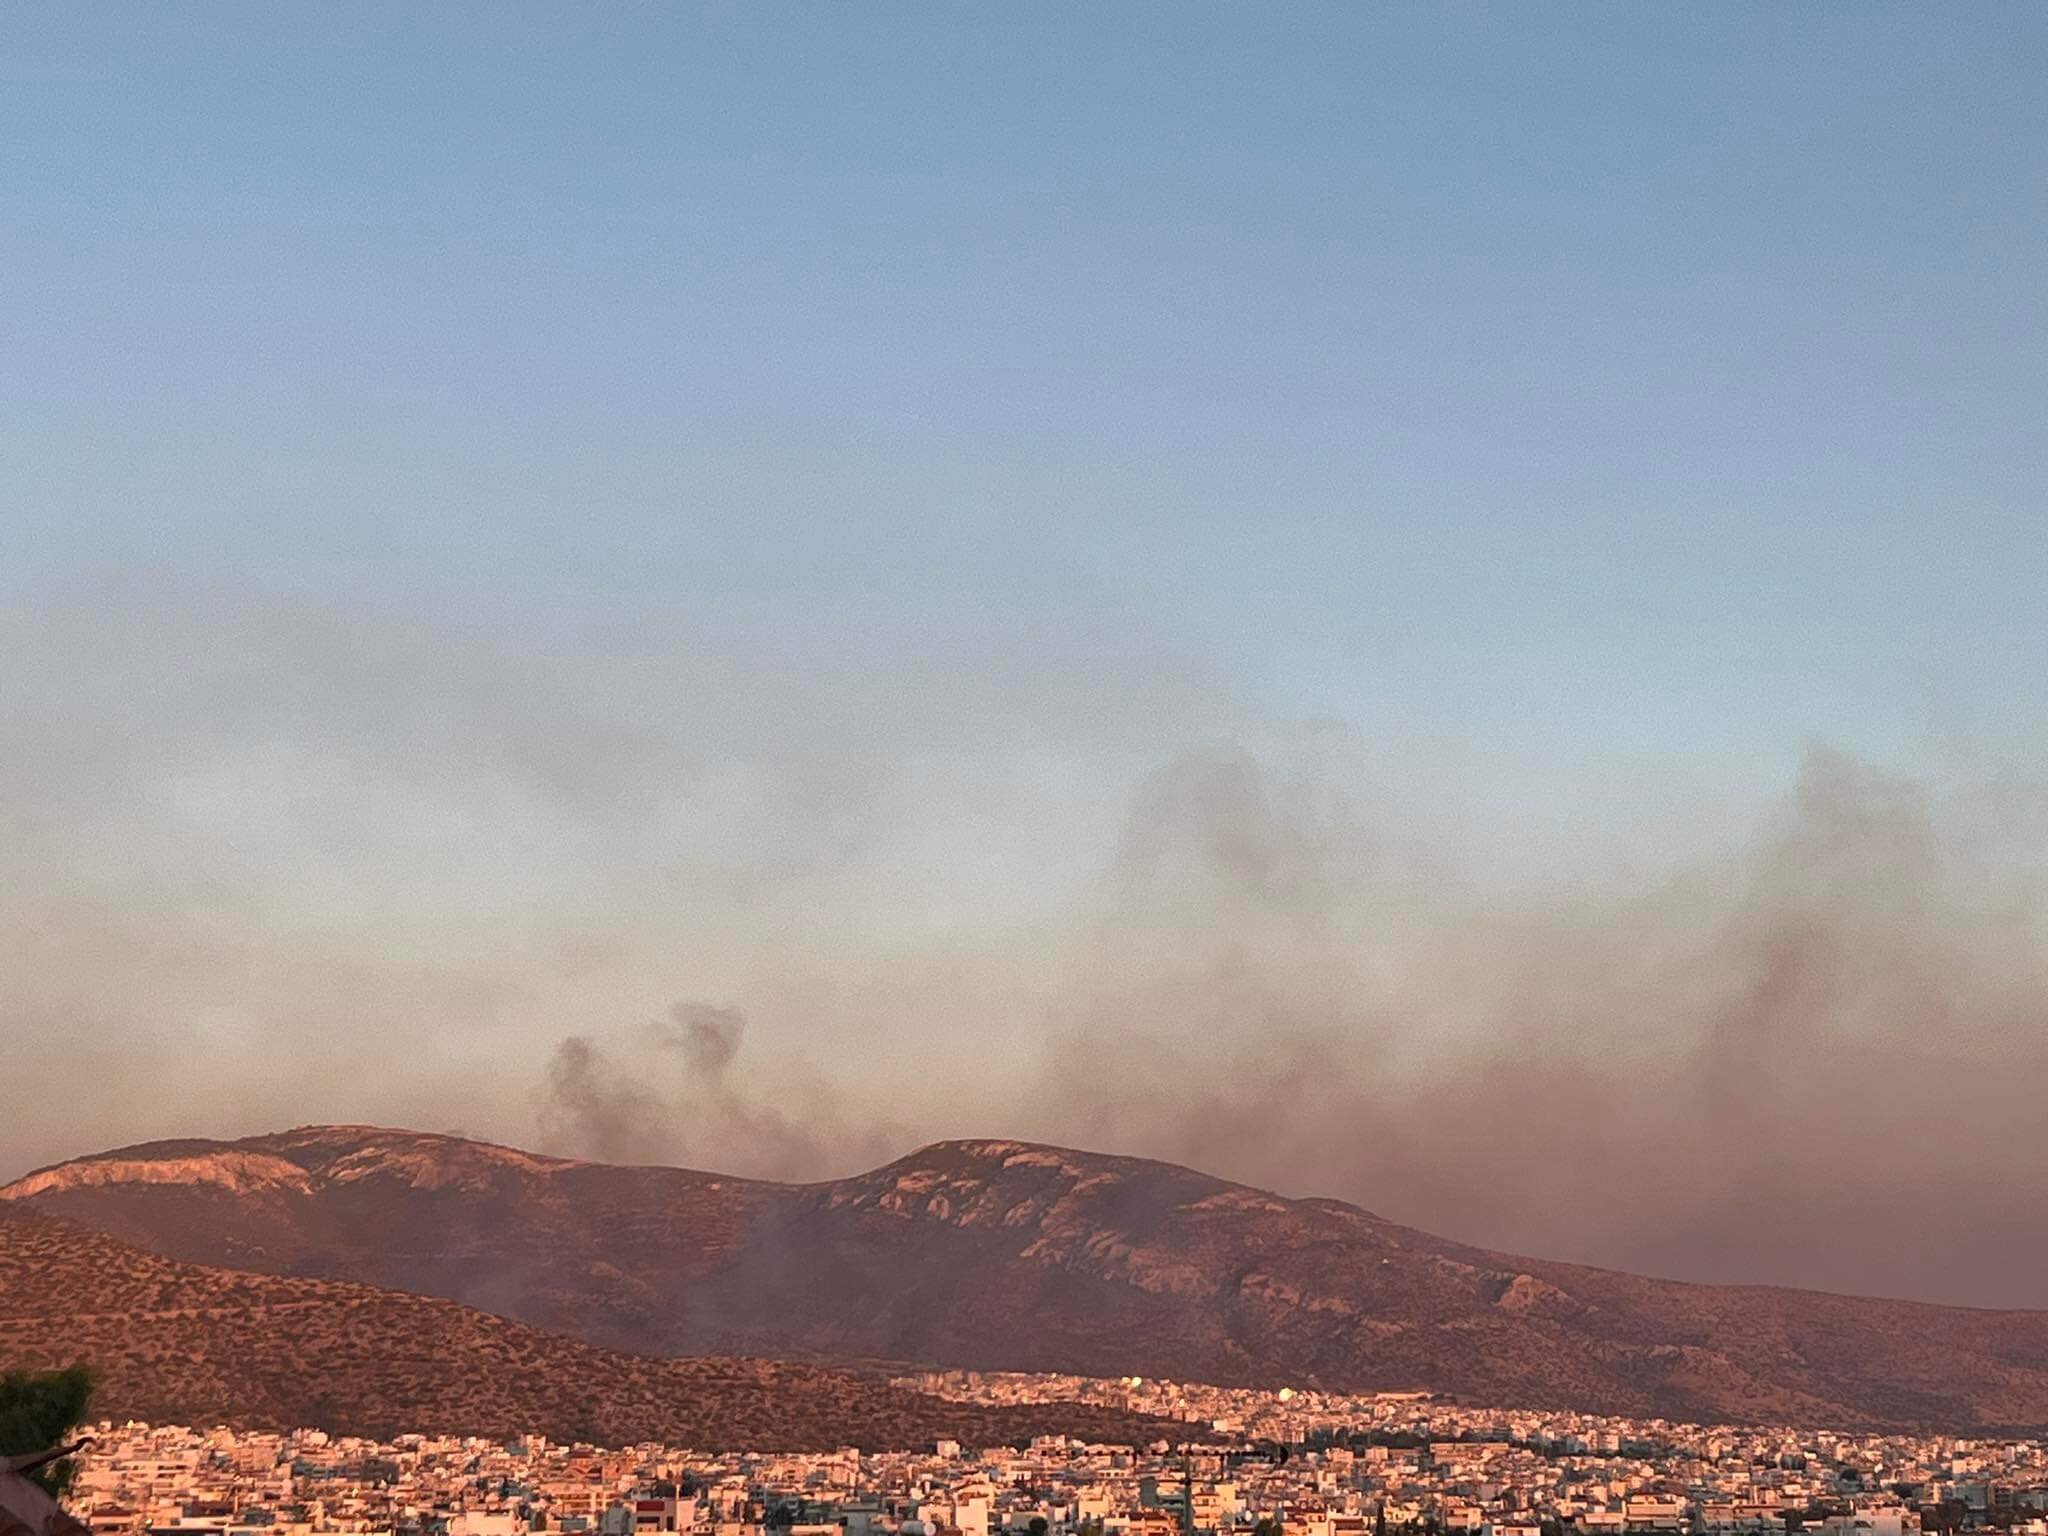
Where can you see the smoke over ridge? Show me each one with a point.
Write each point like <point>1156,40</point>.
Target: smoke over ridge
<point>369,872</point>
<point>1820,1062</point>
<point>672,1101</point>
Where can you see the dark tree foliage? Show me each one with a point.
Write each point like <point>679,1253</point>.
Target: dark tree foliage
<point>39,1409</point>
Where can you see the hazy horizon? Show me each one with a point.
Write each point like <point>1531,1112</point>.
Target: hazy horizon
<point>1433,606</point>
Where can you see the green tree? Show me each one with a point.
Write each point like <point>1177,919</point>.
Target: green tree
<point>37,1410</point>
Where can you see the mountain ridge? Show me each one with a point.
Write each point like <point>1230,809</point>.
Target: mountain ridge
<point>1124,1265</point>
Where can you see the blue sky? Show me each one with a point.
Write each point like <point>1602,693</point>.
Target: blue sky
<point>1676,356</point>
<point>455,457</point>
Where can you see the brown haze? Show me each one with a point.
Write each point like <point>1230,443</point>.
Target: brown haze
<point>268,867</point>
<point>1820,1065</point>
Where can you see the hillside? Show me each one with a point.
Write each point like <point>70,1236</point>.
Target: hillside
<point>182,1342</point>
<point>1119,1264</point>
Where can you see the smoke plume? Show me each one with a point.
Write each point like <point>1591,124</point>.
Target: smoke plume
<point>1820,1061</point>
<point>668,1096</point>
<point>706,1038</point>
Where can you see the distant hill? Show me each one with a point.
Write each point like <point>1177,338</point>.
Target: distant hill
<point>1007,1255</point>
<point>179,1342</point>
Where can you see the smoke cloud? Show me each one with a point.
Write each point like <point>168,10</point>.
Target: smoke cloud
<point>1820,1061</point>
<point>670,1098</point>
<point>707,1038</point>
<point>1063,888</point>
<point>1817,1060</point>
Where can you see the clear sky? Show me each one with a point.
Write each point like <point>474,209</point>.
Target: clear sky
<point>515,517</point>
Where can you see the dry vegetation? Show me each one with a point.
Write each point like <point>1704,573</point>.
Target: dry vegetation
<point>181,1342</point>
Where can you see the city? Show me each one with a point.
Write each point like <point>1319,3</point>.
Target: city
<point>1279,1463</point>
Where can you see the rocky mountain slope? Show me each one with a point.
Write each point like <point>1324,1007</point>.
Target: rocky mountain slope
<point>174,1341</point>
<point>1007,1255</point>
